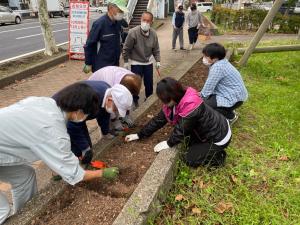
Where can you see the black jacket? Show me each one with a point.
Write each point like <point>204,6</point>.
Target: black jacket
<point>202,125</point>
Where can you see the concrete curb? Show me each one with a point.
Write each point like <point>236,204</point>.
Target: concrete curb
<point>145,200</point>
<point>33,70</point>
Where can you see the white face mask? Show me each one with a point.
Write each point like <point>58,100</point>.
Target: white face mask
<point>145,26</point>
<point>119,16</point>
<point>109,110</point>
<point>205,61</point>
<point>76,120</point>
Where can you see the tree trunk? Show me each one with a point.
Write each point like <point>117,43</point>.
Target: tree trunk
<point>49,40</point>
<point>299,34</point>
<point>261,31</point>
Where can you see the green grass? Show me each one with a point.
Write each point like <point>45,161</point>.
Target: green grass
<point>262,186</point>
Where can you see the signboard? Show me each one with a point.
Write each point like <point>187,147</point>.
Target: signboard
<point>78,28</point>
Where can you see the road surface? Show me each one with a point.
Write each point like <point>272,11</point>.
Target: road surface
<point>19,39</point>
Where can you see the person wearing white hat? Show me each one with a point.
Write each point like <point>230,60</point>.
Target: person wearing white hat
<point>116,100</point>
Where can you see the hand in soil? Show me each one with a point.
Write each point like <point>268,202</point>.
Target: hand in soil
<point>131,137</point>
<point>161,146</point>
<point>111,173</point>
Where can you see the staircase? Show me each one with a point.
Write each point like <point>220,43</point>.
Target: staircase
<point>140,7</point>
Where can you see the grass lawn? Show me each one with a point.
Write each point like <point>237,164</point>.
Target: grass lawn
<point>260,183</point>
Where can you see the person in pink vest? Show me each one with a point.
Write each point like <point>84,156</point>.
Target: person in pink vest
<point>118,75</point>
<point>205,131</point>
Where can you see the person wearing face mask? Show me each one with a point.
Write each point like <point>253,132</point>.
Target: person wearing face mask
<point>205,131</point>
<point>118,75</point>
<point>112,100</point>
<point>103,45</point>
<point>35,129</point>
<point>140,46</point>
<point>224,89</point>
<point>194,21</point>
<point>178,22</point>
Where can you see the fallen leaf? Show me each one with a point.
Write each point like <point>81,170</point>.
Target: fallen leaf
<point>62,66</point>
<point>283,158</point>
<point>201,184</point>
<point>150,116</point>
<point>252,173</point>
<point>223,207</point>
<point>196,210</point>
<point>179,197</point>
<point>234,179</point>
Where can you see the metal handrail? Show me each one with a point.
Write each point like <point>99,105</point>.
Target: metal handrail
<point>131,7</point>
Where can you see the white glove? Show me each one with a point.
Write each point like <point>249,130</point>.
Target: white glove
<point>157,65</point>
<point>126,66</point>
<point>131,137</point>
<point>161,146</point>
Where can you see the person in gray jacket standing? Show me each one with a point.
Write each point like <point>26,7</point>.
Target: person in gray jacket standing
<point>140,46</point>
<point>194,21</point>
<point>178,22</point>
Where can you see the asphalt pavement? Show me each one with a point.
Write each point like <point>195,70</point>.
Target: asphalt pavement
<point>19,39</point>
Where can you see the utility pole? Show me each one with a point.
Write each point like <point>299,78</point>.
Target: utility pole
<point>261,31</point>
<point>49,40</point>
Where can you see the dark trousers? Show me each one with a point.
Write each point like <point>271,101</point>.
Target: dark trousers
<point>146,72</point>
<point>226,111</point>
<point>193,35</point>
<point>205,154</point>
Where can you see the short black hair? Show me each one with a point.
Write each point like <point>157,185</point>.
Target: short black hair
<point>78,96</point>
<point>214,50</point>
<point>170,89</point>
<point>149,13</point>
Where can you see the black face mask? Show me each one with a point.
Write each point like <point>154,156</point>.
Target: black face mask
<point>193,8</point>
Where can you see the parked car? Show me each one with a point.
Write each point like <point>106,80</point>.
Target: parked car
<point>102,8</point>
<point>286,9</point>
<point>9,16</point>
<point>204,6</point>
<point>66,11</point>
<point>297,8</point>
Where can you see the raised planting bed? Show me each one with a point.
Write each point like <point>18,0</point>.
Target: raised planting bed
<point>100,201</point>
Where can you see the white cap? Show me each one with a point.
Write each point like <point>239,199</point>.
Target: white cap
<point>122,98</point>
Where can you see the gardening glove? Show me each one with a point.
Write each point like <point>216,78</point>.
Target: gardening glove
<point>87,156</point>
<point>87,68</point>
<point>157,65</point>
<point>126,66</point>
<point>131,137</point>
<point>110,173</point>
<point>161,146</point>
<point>108,136</point>
<point>128,121</point>
<point>117,125</point>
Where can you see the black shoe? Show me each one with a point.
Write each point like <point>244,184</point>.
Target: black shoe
<point>234,119</point>
<point>182,49</point>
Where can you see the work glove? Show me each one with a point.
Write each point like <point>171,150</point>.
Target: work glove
<point>157,65</point>
<point>110,173</point>
<point>87,156</point>
<point>161,146</point>
<point>128,121</point>
<point>87,68</point>
<point>117,125</point>
<point>131,137</point>
<point>126,66</point>
<point>108,136</point>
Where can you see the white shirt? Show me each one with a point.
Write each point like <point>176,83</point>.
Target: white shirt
<point>35,129</point>
<point>110,74</point>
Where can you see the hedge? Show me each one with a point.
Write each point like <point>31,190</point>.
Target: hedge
<point>250,19</point>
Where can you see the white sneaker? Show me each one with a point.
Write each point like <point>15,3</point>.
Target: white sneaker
<point>234,119</point>
<point>191,47</point>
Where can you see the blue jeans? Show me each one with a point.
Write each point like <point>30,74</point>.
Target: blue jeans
<point>146,73</point>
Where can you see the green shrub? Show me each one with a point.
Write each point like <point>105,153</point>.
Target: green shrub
<point>250,19</point>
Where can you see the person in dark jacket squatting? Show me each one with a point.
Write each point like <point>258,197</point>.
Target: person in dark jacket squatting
<point>208,131</point>
<point>224,89</point>
<point>103,46</point>
<point>112,100</point>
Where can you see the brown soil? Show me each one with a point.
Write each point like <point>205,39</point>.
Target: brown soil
<point>6,69</point>
<point>99,202</point>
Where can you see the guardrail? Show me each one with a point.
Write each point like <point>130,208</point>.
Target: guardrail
<point>131,7</point>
